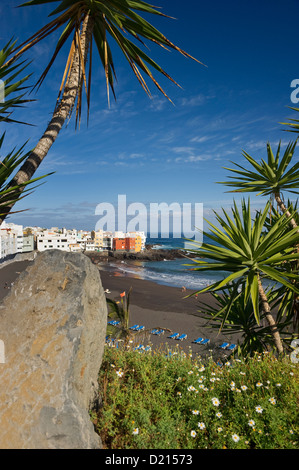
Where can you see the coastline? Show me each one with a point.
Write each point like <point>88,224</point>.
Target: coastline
<point>152,305</point>
<point>155,305</point>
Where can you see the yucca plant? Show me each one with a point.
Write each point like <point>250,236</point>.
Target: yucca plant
<point>241,320</point>
<point>14,97</point>
<point>14,89</point>
<point>248,252</point>
<point>268,178</point>
<point>11,194</point>
<point>88,22</point>
<point>294,124</point>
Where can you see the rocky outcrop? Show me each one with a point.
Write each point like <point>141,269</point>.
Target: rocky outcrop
<point>146,255</point>
<point>52,325</point>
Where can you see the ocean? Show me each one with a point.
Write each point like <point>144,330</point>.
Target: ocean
<point>174,273</point>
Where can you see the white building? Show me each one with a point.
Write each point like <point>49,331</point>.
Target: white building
<point>52,241</point>
<point>11,239</point>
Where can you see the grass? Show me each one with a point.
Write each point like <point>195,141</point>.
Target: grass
<point>153,401</point>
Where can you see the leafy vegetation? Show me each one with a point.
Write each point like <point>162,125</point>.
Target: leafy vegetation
<point>14,97</point>
<point>269,178</point>
<point>245,250</point>
<point>86,22</point>
<point>158,401</point>
<point>254,250</point>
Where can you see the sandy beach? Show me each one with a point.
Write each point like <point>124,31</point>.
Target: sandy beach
<point>152,305</point>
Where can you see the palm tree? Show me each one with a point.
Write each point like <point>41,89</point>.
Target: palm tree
<point>14,97</point>
<point>268,178</point>
<point>89,22</point>
<point>249,253</point>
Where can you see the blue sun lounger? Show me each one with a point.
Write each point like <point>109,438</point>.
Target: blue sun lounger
<point>140,346</point>
<point>139,328</point>
<point>154,331</point>
<point>174,335</point>
<point>198,340</point>
<point>223,345</point>
<point>159,332</point>
<point>148,348</point>
<point>205,341</point>
<point>180,338</point>
<point>232,347</point>
<point>113,322</point>
<point>134,327</point>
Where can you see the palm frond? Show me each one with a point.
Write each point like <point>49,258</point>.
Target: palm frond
<point>120,20</point>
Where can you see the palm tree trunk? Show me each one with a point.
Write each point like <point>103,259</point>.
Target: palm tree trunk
<point>285,210</point>
<point>61,113</point>
<point>270,319</point>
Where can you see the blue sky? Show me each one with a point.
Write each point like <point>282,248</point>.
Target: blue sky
<point>149,149</point>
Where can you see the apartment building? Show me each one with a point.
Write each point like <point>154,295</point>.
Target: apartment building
<point>28,243</point>
<point>11,239</point>
<point>48,240</point>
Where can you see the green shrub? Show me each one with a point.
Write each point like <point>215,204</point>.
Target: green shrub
<point>153,401</point>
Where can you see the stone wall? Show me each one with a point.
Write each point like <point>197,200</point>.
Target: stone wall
<point>53,325</point>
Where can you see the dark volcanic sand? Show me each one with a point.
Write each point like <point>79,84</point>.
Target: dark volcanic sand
<point>152,305</point>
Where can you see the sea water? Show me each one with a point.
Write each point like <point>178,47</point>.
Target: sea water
<point>176,273</point>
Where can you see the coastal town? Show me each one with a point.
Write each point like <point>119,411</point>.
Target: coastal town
<point>18,239</point>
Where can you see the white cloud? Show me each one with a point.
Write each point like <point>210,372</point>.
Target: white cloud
<point>201,139</point>
<point>198,100</point>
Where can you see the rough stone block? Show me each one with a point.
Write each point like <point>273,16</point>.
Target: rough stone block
<point>53,325</point>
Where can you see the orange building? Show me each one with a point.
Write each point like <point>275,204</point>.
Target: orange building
<point>119,244</point>
<point>130,244</point>
<point>127,244</point>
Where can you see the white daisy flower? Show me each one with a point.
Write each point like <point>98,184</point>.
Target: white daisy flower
<point>135,431</point>
<point>201,425</point>
<point>251,423</point>
<point>195,412</point>
<point>193,434</point>
<point>235,437</point>
<point>258,409</point>
<point>215,401</point>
